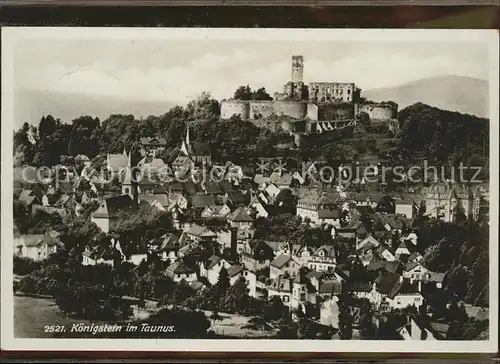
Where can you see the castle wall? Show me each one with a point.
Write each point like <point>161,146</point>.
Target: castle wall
<point>293,109</point>
<point>335,111</point>
<point>229,108</point>
<point>261,109</point>
<point>331,91</point>
<point>379,111</point>
<point>312,111</point>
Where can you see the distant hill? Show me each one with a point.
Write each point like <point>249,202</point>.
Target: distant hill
<point>454,93</point>
<point>32,105</point>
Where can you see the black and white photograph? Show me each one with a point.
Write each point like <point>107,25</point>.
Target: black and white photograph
<point>249,189</point>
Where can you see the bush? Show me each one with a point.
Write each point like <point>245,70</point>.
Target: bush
<point>23,266</point>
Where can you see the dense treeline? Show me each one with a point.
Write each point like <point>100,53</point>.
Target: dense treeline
<point>52,140</point>
<point>443,137</point>
<point>426,133</point>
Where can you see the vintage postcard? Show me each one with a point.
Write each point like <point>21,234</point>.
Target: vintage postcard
<point>249,190</point>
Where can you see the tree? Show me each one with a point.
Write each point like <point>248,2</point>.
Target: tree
<point>261,95</point>
<point>286,200</point>
<point>236,296</point>
<point>274,309</point>
<point>366,327</point>
<point>243,93</point>
<point>345,321</point>
<point>223,281</point>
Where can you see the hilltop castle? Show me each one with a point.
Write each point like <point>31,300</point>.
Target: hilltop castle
<point>325,105</point>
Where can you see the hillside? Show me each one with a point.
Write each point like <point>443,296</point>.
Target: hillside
<point>454,93</point>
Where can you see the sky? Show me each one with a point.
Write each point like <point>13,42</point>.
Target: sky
<point>175,71</point>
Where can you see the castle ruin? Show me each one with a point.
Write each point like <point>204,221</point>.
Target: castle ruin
<point>324,105</point>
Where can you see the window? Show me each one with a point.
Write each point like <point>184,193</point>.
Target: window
<point>286,299</point>
<point>178,275</point>
<point>302,296</point>
<point>398,301</point>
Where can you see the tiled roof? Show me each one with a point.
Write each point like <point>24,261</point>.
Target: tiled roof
<point>212,261</point>
<point>234,270</point>
<point>387,283</point>
<point>280,261</point>
<point>32,240</point>
<point>153,141</point>
<point>239,215</point>
<point>202,231</point>
<point>281,284</point>
<point>179,268</point>
<point>113,206</point>
<point>201,200</point>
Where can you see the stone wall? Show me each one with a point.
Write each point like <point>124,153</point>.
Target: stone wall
<point>261,109</point>
<point>380,111</point>
<point>229,108</point>
<point>335,111</point>
<point>293,109</point>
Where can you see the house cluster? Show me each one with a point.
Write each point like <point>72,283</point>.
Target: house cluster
<point>373,252</point>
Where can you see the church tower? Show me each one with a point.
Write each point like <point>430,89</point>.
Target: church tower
<point>297,69</point>
<point>129,184</point>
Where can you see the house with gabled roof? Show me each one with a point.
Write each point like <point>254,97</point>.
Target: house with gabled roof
<point>236,199</point>
<point>179,271</point>
<point>294,292</point>
<point>422,329</point>
<point>216,212</point>
<point>284,265</point>
<point>323,259</point>
<point>397,291</point>
<point>256,255</point>
<point>301,253</point>
<point>319,209</point>
<point>159,201</point>
<point>236,271</point>
<point>240,219</point>
<point>152,146</point>
<point>211,268</point>
<point>256,208</point>
<point>36,246</point>
<point>168,246</point>
<point>107,214</point>
<point>367,243</point>
<point>414,270</point>
<point>199,233</point>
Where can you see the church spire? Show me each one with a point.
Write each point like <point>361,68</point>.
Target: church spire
<point>129,184</point>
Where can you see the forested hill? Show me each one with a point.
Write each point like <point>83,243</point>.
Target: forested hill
<point>443,137</point>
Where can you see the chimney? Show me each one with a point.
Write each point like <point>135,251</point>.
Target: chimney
<point>400,279</point>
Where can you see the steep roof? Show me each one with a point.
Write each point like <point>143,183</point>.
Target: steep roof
<point>212,261</point>
<point>169,242</point>
<point>239,215</point>
<point>403,287</point>
<point>281,284</point>
<point>113,206</point>
<point>388,282</point>
<point>201,200</point>
<point>200,231</point>
<point>179,267</point>
<point>32,240</point>
<point>213,188</point>
<point>234,270</point>
<point>236,197</point>
<point>161,198</point>
<point>329,214</point>
<point>153,141</point>
<point>280,261</point>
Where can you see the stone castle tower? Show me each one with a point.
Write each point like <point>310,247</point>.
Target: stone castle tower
<point>297,69</point>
